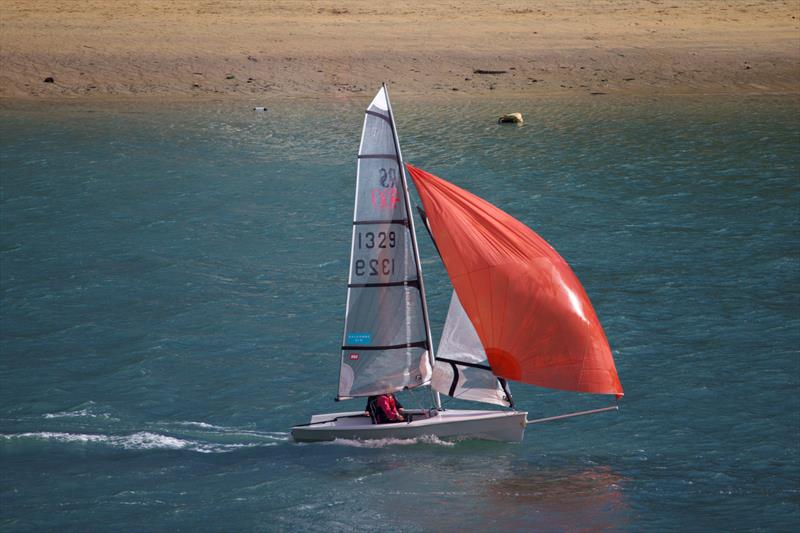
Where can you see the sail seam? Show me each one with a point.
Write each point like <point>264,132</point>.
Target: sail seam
<point>377,156</point>
<point>464,363</point>
<point>454,384</point>
<point>403,221</point>
<point>410,283</point>
<point>419,344</point>
<point>379,115</point>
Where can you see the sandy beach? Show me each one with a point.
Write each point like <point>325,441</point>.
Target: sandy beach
<point>253,49</point>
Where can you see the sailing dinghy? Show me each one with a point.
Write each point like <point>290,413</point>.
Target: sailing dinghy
<point>517,311</point>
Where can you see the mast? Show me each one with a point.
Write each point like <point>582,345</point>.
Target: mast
<point>437,403</point>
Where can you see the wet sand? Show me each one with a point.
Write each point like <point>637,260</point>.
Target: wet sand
<point>259,50</point>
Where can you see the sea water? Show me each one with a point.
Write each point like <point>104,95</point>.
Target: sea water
<point>173,284</point>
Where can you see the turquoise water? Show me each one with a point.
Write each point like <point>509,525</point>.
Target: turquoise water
<point>173,292</point>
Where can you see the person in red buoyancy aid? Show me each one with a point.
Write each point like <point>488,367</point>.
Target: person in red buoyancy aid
<point>385,409</point>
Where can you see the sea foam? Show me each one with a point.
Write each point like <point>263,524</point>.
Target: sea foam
<point>143,440</point>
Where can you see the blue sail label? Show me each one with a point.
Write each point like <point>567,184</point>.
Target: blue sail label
<point>359,338</point>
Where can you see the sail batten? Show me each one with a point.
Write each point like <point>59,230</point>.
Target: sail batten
<point>530,312</point>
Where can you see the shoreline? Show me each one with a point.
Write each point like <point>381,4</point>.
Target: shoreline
<point>358,98</point>
<point>245,50</point>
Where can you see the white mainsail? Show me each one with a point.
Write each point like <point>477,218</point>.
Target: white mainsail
<point>386,342</point>
<point>462,369</point>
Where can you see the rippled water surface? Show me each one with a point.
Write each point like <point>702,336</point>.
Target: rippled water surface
<point>173,283</point>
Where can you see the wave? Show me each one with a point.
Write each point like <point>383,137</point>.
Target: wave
<point>79,413</point>
<point>143,440</point>
<point>90,411</point>
<point>233,431</point>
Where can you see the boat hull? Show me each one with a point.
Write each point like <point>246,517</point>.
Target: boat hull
<point>508,426</point>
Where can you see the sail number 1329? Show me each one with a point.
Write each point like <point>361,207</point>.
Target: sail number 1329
<point>374,267</point>
<point>381,239</point>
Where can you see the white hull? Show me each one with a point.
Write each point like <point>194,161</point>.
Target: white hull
<point>508,426</point>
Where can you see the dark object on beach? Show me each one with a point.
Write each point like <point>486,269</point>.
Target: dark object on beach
<point>259,108</point>
<point>510,118</point>
<point>230,77</point>
<point>49,79</point>
<point>482,71</point>
<point>597,93</point>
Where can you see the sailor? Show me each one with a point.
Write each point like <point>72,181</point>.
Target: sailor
<point>385,409</point>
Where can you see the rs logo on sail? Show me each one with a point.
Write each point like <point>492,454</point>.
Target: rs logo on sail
<point>385,198</point>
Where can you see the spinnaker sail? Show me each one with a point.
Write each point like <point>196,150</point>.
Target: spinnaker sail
<point>386,342</point>
<point>531,314</point>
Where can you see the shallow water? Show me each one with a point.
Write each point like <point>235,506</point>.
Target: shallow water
<point>173,292</point>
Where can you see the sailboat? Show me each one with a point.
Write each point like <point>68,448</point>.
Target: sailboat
<point>517,312</point>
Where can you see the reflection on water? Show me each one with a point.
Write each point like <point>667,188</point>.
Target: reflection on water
<point>484,487</point>
<point>568,500</point>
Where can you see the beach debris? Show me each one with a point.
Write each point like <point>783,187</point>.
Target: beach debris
<point>259,108</point>
<point>49,79</point>
<point>486,71</point>
<point>510,118</point>
<point>230,77</point>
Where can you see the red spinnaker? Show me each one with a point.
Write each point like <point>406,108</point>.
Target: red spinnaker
<point>531,313</point>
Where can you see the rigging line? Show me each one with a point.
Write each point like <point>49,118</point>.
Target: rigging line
<point>427,225</point>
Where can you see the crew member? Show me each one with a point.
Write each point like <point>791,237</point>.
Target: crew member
<point>385,409</point>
